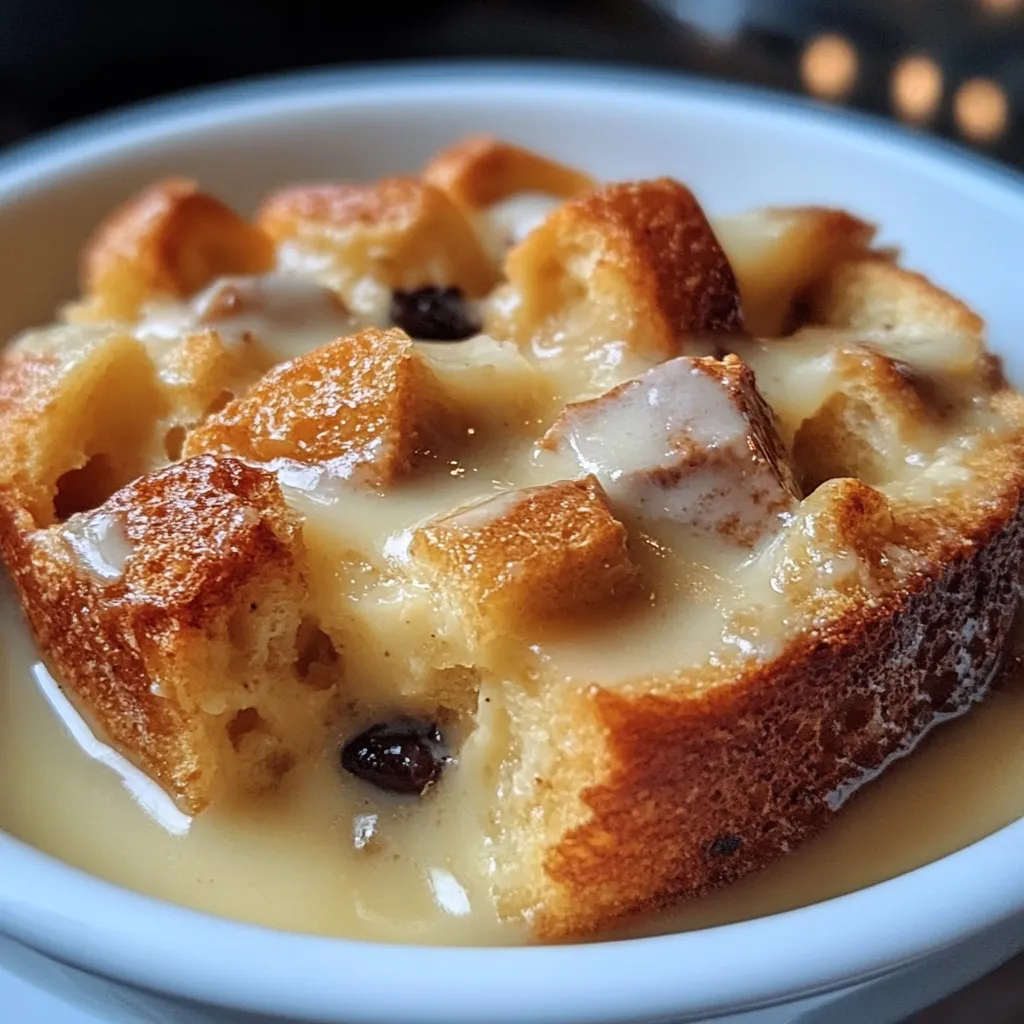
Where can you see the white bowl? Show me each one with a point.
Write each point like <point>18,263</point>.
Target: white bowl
<point>875,955</point>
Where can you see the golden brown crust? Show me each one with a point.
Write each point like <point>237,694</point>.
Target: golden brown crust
<point>368,401</point>
<point>839,548</point>
<point>168,241</point>
<point>399,232</point>
<point>641,254</point>
<point>196,514</point>
<point>481,171</point>
<point>151,650</point>
<point>527,556</point>
<point>307,207</point>
<point>746,770</point>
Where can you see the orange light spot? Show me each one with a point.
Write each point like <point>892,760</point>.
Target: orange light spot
<point>916,88</point>
<point>829,66</point>
<point>981,109</point>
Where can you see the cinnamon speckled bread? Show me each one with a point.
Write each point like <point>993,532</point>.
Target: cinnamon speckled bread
<point>716,520</point>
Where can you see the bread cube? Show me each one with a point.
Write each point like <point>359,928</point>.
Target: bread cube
<point>79,407</point>
<point>636,263</point>
<point>481,171</point>
<point>198,375</point>
<point>174,615</point>
<point>168,241</point>
<point>506,190</point>
<point>213,348</point>
<point>690,441</point>
<point>838,546</point>
<point>527,556</point>
<point>903,314</point>
<point>777,253</point>
<point>873,417</point>
<point>365,407</point>
<point>368,240</point>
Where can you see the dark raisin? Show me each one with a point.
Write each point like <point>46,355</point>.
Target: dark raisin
<point>723,846</point>
<point>433,314</point>
<point>400,757</point>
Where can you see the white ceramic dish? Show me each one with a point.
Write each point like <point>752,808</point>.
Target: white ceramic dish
<point>875,955</point>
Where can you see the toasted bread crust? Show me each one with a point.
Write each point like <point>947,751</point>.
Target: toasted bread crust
<point>394,200</point>
<point>749,769</point>
<point>200,534</point>
<point>481,171</point>
<point>169,240</point>
<point>666,232</point>
<point>846,517</point>
<point>403,232</point>
<point>369,401</point>
<point>647,245</point>
<point>508,559</point>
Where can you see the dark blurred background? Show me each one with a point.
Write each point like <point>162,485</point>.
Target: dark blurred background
<point>955,67</point>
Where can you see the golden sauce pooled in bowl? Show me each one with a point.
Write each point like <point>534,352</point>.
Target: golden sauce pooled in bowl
<point>314,858</point>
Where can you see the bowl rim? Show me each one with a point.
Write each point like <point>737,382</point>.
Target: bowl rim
<point>86,922</point>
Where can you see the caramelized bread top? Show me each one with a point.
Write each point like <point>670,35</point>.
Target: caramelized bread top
<point>642,254</point>
<point>169,240</point>
<point>167,570</point>
<point>481,171</point>
<point>368,405</point>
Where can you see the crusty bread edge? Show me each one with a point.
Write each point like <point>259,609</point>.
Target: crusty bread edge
<point>91,638</point>
<point>769,758</point>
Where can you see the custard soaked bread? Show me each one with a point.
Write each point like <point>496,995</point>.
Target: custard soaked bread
<point>635,540</point>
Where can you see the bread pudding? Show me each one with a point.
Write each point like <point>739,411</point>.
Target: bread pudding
<point>601,549</point>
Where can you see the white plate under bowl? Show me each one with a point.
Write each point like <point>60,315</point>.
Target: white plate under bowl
<point>871,956</point>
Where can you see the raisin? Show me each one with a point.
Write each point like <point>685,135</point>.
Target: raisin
<point>400,757</point>
<point>723,846</point>
<point>433,314</point>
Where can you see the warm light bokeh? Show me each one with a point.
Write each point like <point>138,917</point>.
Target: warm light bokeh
<point>981,109</point>
<point>916,88</point>
<point>829,66</point>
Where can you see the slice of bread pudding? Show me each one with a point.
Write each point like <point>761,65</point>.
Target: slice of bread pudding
<point>712,524</point>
